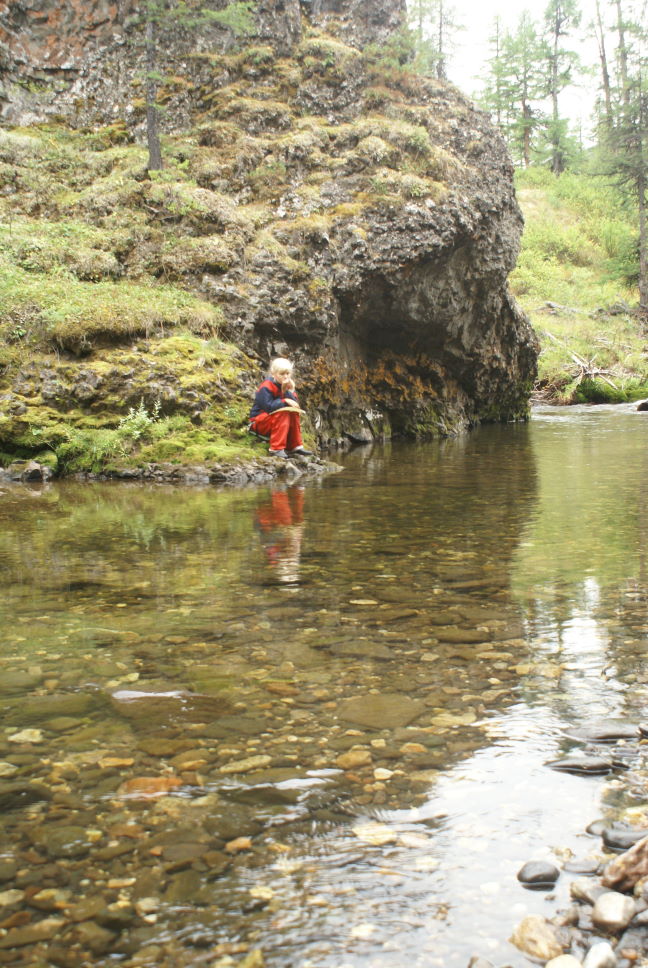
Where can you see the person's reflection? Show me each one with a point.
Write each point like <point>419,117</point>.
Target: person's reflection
<point>281,524</point>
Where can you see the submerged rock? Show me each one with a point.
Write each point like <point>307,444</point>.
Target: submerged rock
<point>583,765</point>
<point>385,711</point>
<point>173,704</point>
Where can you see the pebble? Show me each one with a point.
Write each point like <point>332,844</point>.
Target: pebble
<point>537,938</point>
<point>613,911</point>
<point>600,955</point>
<point>354,759</point>
<point>247,765</point>
<point>538,874</point>
<point>586,889</point>
<point>564,961</point>
<point>27,736</point>
<point>621,838</point>
<point>31,934</point>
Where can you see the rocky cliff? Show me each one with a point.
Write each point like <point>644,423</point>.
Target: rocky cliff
<point>318,200</point>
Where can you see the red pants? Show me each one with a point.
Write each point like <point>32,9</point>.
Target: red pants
<point>284,429</point>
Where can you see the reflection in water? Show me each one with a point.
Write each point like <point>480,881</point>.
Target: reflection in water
<point>348,776</point>
<point>280,521</point>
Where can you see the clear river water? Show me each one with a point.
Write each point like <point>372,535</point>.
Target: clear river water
<point>309,726</point>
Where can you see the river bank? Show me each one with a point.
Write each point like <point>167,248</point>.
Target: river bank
<point>241,473</point>
<point>605,925</point>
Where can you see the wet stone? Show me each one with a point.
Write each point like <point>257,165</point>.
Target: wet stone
<point>538,874</point>
<point>365,650</point>
<point>177,855</point>
<point>384,711</point>
<point>613,911</point>
<point>621,838</point>
<point>62,841</point>
<point>92,936</point>
<point>18,681</point>
<point>183,887</point>
<point>14,796</point>
<point>606,732</point>
<point>33,709</point>
<point>583,765</point>
<point>32,933</point>
<point>8,868</point>
<point>583,866</point>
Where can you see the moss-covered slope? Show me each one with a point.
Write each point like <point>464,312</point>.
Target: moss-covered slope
<point>327,205</point>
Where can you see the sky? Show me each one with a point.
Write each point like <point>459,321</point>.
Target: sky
<point>472,49</point>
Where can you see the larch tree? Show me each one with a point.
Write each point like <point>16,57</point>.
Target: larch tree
<point>626,142</point>
<point>434,25</point>
<point>561,17</point>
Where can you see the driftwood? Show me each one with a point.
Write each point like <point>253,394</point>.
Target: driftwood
<point>586,369</point>
<point>629,867</point>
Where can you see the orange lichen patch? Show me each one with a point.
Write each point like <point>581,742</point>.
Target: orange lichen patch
<point>145,787</point>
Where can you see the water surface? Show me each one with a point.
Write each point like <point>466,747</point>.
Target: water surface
<point>315,720</point>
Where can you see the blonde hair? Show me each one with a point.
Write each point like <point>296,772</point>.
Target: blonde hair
<point>280,364</point>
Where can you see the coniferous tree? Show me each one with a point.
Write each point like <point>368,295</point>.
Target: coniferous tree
<point>494,97</point>
<point>523,57</point>
<point>600,34</point>
<point>434,25</point>
<point>625,143</point>
<point>561,16</point>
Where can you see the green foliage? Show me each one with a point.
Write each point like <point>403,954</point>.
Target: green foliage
<point>567,279</point>
<point>138,421</point>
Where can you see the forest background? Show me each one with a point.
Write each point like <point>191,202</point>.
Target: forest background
<point>567,87</point>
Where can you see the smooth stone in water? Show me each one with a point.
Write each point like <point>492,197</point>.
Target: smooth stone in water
<point>64,841</point>
<point>33,709</point>
<point>18,681</point>
<point>363,650</point>
<point>44,930</point>
<point>354,759</point>
<point>621,838</point>
<point>538,874</point>
<point>583,765</point>
<point>605,732</point>
<point>564,961</point>
<point>584,866</point>
<point>613,911</point>
<point>386,711</point>
<point>600,955</point>
<point>16,795</point>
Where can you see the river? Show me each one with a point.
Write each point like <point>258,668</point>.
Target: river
<point>309,726</point>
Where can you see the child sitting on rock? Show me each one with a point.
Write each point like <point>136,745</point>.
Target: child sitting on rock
<point>276,412</point>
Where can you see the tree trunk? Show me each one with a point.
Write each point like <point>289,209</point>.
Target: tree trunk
<point>623,55</point>
<point>605,73</point>
<point>643,245</point>
<point>440,70</point>
<point>152,135</point>
<point>526,121</point>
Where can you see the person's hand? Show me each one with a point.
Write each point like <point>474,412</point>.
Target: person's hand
<point>287,385</point>
<point>291,403</point>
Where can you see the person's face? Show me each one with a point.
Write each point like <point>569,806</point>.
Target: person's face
<point>282,374</point>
